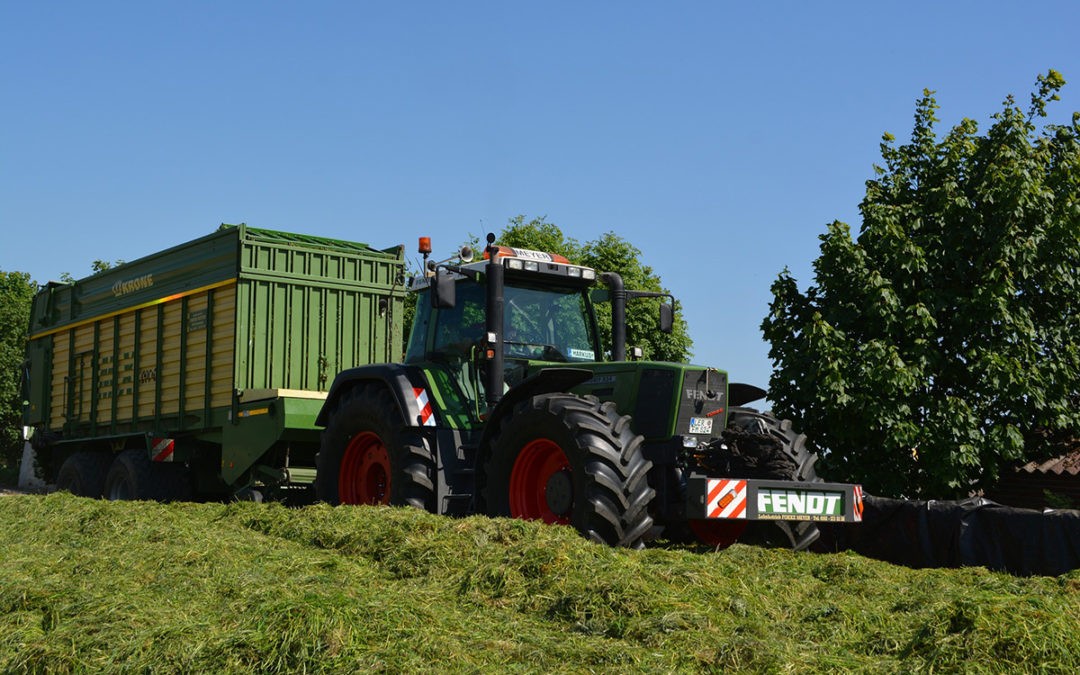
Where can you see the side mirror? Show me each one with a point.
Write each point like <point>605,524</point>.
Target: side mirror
<point>667,318</point>
<point>443,290</point>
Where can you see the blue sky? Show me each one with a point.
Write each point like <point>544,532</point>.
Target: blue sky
<point>719,138</point>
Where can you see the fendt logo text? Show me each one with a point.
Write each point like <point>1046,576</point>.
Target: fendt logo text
<point>699,395</point>
<point>791,502</point>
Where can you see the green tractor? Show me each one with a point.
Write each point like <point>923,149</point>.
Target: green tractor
<point>505,405</point>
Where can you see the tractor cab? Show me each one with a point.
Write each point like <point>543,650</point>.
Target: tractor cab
<point>513,312</point>
<point>544,318</point>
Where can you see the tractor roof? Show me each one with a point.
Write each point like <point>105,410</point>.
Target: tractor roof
<point>524,264</point>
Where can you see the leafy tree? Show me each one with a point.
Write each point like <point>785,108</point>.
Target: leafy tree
<point>610,253</point>
<point>95,267</point>
<point>943,343</point>
<point>540,235</point>
<point>16,294</point>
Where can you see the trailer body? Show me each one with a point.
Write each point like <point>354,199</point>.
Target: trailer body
<point>215,354</point>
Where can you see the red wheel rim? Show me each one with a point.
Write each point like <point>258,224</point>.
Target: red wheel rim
<point>537,467</point>
<point>717,532</point>
<point>365,471</point>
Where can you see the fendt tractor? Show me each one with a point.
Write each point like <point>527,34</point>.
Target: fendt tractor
<point>202,371</point>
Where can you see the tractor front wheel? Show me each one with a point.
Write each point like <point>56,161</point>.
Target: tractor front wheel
<point>572,460</point>
<point>788,459</point>
<point>717,533</point>
<point>369,456</point>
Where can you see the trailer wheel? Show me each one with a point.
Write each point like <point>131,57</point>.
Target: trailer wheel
<point>572,460</point>
<point>83,473</point>
<point>369,456</point>
<point>131,476</point>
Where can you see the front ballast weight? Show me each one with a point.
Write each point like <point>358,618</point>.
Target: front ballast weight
<point>749,499</point>
<point>759,469</point>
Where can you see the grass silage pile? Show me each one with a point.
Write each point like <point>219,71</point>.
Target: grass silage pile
<point>93,585</point>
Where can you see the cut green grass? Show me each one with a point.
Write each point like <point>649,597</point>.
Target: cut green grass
<point>92,585</point>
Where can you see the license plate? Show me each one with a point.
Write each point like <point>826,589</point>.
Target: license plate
<point>700,425</point>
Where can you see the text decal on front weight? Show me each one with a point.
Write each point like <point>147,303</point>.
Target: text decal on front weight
<point>791,504</point>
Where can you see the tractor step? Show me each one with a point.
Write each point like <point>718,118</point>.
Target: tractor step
<point>457,505</point>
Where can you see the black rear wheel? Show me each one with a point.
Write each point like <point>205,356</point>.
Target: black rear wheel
<point>83,473</point>
<point>132,476</point>
<point>369,456</point>
<point>566,459</point>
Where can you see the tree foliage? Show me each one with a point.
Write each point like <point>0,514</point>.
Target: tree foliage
<point>98,265</point>
<point>16,293</point>
<point>610,253</point>
<point>943,344</point>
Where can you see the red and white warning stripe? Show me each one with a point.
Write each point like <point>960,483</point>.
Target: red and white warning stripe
<point>163,449</point>
<point>427,416</point>
<point>858,503</point>
<point>726,498</point>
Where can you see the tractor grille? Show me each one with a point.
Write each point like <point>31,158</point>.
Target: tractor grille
<point>655,403</point>
<point>702,404</point>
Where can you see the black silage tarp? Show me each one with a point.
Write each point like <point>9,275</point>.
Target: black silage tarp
<point>972,532</point>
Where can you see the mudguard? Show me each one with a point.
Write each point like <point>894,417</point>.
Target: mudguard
<point>741,394</point>
<point>545,381</point>
<point>406,384</point>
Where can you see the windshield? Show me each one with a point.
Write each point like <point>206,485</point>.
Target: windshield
<point>549,324</point>
<point>543,324</point>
